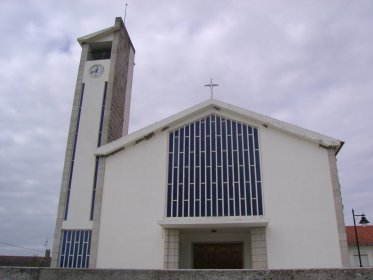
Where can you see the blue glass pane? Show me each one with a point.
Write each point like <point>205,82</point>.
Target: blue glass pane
<point>174,189</point>
<point>220,208</point>
<point>243,209</point>
<point>186,154</point>
<point>256,140</point>
<point>81,244</point>
<point>192,137</point>
<point>181,139</point>
<point>203,200</point>
<point>187,131</point>
<point>237,199</point>
<point>197,153</point>
<point>72,244</point>
<point>257,163</point>
<point>236,166</point>
<point>180,199</point>
<point>240,151</point>
<point>198,191</point>
<point>253,190</point>
<point>213,143</point>
<point>231,191</point>
<point>244,137</point>
<point>191,170</point>
<point>225,200</point>
<point>174,209</point>
<point>169,190</point>
<point>208,208</point>
<point>208,150</point>
<point>251,150</point>
<point>208,183</point>
<point>231,208</point>
<point>255,209</point>
<point>230,176</point>
<point>260,203</point>
<point>213,170</point>
<point>214,200</point>
<point>170,163</point>
<point>224,141</point>
<point>230,151</point>
<point>234,135</point>
<point>176,153</point>
<point>181,166</point>
<point>186,187</point>
<point>229,128</point>
<point>171,142</point>
<point>220,184</point>
<point>197,209</point>
<point>208,126</point>
<point>248,199</point>
<point>191,204</point>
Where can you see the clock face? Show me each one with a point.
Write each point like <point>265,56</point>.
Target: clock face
<point>96,70</point>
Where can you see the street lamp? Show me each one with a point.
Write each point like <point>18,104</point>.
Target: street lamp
<point>363,222</point>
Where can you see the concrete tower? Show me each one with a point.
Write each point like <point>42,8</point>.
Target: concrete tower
<point>100,114</point>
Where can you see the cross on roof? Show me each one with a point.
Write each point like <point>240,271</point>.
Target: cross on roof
<point>211,85</point>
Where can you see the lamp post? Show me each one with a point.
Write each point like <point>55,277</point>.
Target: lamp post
<point>363,222</point>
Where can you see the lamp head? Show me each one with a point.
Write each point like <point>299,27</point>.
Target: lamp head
<point>363,220</point>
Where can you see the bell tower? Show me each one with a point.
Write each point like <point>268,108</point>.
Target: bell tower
<point>100,114</point>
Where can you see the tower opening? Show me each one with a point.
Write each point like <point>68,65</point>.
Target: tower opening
<point>99,50</point>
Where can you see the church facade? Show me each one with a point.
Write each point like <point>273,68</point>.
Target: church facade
<point>214,186</point>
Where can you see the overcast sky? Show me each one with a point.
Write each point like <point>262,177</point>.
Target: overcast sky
<point>309,63</point>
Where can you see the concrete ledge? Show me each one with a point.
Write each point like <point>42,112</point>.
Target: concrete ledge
<point>17,273</point>
<point>216,222</point>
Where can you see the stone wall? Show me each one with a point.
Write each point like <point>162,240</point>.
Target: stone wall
<point>8,273</point>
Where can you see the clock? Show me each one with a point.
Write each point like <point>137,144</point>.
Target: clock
<point>96,70</point>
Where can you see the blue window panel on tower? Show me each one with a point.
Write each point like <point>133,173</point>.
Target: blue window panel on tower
<point>75,248</point>
<point>214,169</point>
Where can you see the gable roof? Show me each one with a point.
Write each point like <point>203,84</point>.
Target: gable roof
<point>365,235</point>
<point>215,105</point>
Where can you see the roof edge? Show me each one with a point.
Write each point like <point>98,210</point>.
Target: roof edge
<point>148,131</point>
<point>92,37</point>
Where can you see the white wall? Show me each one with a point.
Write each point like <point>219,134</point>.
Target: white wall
<point>133,202</point>
<point>298,202</point>
<point>302,231</point>
<point>84,165</point>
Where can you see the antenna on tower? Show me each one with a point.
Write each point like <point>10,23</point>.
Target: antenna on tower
<point>125,14</point>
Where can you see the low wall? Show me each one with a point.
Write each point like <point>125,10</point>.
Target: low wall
<point>18,273</point>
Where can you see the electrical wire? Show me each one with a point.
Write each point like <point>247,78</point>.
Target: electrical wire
<point>17,246</point>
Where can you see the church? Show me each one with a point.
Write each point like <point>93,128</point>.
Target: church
<point>212,187</point>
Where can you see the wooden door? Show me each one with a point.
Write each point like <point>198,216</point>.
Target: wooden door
<point>218,256</point>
